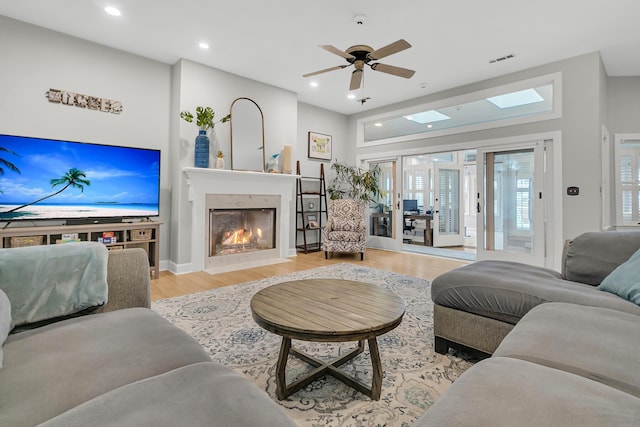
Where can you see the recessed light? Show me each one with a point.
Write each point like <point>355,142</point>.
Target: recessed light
<point>351,96</point>
<point>378,124</point>
<point>313,84</point>
<point>203,45</point>
<point>112,11</point>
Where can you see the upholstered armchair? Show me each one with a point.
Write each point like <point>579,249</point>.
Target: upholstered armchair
<point>345,230</point>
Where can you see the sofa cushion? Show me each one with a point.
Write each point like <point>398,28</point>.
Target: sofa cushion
<point>596,343</point>
<point>49,370</point>
<point>5,321</point>
<point>590,257</point>
<point>202,394</point>
<point>44,282</point>
<point>502,391</point>
<point>506,291</point>
<point>624,281</point>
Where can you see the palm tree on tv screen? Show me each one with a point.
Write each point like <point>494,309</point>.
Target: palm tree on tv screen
<point>4,163</point>
<point>73,178</point>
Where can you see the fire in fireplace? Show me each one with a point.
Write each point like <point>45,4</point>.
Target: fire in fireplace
<point>235,231</point>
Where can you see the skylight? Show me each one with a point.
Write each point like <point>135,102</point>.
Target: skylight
<point>427,117</point>
<point>516,99</point>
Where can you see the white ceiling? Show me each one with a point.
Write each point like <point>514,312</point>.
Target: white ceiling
<point>276,41</point>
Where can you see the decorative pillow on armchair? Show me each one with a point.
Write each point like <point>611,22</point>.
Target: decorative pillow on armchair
<point>347,225</point>
<point>624,281</point>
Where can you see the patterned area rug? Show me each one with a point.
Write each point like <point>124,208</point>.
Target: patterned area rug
<point>414,375</point>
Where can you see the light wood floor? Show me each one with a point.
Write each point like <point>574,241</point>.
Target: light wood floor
<point>169,285</point>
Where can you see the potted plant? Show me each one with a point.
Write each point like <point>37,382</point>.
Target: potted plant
<point>205,120</point>
<point>351,182</point>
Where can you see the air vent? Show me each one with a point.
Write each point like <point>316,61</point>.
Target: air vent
<point>502,58</point>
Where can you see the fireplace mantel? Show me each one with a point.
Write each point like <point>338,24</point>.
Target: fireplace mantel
<point>200,182</point>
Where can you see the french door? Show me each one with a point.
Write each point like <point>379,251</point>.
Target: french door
<point>384,214</point>
<point>448,213</point>
<point>510,204</point>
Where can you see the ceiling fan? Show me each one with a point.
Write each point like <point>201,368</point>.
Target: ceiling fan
<point>361,55</point>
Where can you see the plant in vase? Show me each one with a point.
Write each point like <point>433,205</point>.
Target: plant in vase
<point>219,160</point>
<point>351,182</point>
<point>205,120</point>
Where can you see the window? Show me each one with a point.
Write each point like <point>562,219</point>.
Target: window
<point>521,102</point>
<point>628,179</point>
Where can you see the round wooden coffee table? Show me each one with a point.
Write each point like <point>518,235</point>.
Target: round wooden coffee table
<point>327,310</point>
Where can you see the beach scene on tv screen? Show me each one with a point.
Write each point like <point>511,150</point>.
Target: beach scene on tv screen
<point>46,179</point>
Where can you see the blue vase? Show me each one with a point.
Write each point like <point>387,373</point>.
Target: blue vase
<point>202,150</point>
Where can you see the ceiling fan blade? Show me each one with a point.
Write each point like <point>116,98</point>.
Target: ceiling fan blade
<point>337,51</point>
<point>396,71</point>
<point>356,79</point>
<point>337,67</point>
<point>390,49</point>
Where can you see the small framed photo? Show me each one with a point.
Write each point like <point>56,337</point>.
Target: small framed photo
<point>319,146</point>
<point>312,222</point>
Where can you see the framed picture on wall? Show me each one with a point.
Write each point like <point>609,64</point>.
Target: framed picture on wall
<point>319,146</point>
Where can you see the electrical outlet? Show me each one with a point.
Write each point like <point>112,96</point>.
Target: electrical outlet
<point>573,191</point>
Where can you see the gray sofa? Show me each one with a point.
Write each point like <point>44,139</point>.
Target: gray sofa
<point>477,305</point>
<point>564,352</point>
<point>561,365</point>
<point>122,364</point>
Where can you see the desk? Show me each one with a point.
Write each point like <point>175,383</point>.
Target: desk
<point>428,234</point>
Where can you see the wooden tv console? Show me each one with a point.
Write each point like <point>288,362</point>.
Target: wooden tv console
<point>139,234</point>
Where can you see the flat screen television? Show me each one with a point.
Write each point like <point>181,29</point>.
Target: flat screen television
<point>44,179</point>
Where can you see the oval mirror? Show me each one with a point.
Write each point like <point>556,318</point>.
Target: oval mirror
<point>247,136</point>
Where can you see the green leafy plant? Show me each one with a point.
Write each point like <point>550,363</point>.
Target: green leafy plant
<point>351,182</point>
<point>204,118</point>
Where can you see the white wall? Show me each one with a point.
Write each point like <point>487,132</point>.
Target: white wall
<point>315,119</point>
<point>623,96</point>
<point>199,85</point>
<point>35,60</point>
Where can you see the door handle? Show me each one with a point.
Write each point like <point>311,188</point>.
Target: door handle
<point>478,207</point>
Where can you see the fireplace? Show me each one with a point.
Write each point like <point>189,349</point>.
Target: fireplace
<point>234,231</point>
<point>221,189</point>
<point>242,228</point>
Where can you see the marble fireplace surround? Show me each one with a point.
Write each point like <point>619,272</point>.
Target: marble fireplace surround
<point>203,183</point>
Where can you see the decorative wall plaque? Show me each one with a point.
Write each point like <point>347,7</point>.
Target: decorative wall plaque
<point>84,101</point>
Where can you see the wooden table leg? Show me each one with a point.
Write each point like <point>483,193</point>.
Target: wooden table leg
<point>376,384</point>
<point>281,368</point>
